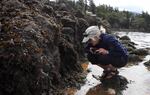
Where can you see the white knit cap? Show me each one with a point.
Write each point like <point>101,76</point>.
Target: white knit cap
<point>91,32</point>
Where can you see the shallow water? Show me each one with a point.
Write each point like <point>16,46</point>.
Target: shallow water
<point>141,39</point>
<point>137,75</point>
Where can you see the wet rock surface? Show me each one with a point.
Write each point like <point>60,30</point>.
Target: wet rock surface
<point>134,58</point>
<point>141,52</point>
<point>39,48</point>
<point>125,38</point>
<point>116,82</point>
<point>135,55</point>
<point>147,63</point>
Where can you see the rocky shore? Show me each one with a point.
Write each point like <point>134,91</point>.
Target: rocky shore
<point>40,47</point>
<point>38,53</point>
<point>135,55</point>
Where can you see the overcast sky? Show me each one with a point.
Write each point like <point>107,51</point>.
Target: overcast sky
<point>131,5</point>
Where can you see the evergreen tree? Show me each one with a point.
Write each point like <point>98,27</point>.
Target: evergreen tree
<point>85,6</point>
<point>80,5</point>
<point>92,6</point>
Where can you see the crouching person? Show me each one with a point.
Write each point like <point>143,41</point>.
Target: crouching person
<point>104,50</point>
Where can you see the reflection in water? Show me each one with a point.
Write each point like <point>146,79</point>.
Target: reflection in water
<point>113,86</point>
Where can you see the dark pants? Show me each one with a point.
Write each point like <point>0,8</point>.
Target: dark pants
<point>106,60</point>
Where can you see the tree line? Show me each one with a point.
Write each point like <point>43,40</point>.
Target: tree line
<point>124,19</point>
<point>117,19</point>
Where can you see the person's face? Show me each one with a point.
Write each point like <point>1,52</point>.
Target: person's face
<point>94,41</point>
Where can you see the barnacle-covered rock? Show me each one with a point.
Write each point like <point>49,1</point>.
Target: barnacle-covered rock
<point>35,59</point>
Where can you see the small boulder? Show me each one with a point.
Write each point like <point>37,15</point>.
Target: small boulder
<point>117,82</point>
<point>125,38</point>
<point>130,49</point>
<point>134,58</point>
<point>141,52</point>
<point>147,63</point>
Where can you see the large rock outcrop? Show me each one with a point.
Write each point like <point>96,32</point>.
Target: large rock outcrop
<point>40,46</point>
<point>36,57</point>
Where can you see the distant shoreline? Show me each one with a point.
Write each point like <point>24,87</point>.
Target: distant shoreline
<point>128,30</point>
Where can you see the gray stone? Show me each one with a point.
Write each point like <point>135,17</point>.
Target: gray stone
<point>147,63</point>
<point>134,58</point>
<point>125,38</point>
<point>117,82</point>
<point>141,52</point>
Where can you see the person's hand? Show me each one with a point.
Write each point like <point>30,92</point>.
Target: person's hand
<point>102,51</point>
<point>92,50</point>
